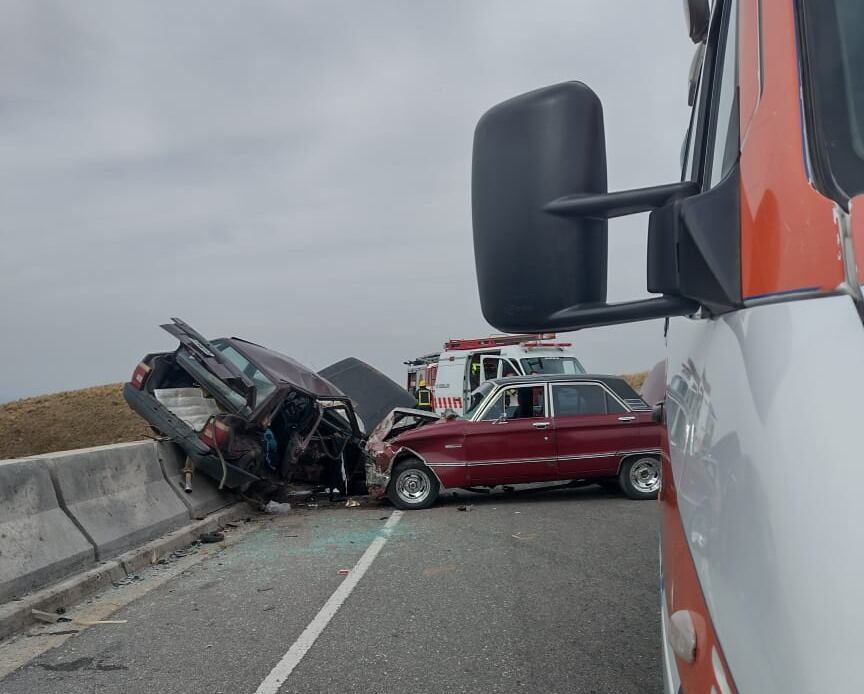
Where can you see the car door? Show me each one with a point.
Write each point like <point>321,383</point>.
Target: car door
<point>514,440</point>
<point>592,427</point>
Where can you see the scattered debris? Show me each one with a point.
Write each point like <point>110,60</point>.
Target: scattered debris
<point>352,503</point>
<point>344,572</point>
<point>48,617</point>
<point>439,570</point>
<point>210,538</point>
<point>277,508</point>
<point>127,581</point>
<point>62,632</point>
<point>469,507</point>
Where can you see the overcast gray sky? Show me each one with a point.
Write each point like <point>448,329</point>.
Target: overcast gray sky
<point>295,173</point>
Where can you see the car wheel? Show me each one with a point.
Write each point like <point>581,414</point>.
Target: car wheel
<point>640,477</point>
<point>413,485</point>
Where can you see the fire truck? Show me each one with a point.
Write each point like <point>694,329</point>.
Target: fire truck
<point>755,264</point>
<point>445,380</point>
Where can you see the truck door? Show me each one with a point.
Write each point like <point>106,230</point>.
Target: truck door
<point>493,366</point>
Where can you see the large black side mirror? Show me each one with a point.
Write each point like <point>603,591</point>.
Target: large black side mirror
<point>540,211</point>
<point>528,152</point>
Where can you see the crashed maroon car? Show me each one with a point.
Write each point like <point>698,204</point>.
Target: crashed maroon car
<point>254,420</point>
<point>564,429</point>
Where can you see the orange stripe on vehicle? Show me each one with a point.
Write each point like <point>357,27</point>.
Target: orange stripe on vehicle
<point>788,236</point>
<point>684,592</point>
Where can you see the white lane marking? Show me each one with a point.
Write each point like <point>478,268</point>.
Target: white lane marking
<point>304,642</point>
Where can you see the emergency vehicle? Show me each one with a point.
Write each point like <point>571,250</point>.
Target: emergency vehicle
<point>445,381</point>
<point>755,261</point>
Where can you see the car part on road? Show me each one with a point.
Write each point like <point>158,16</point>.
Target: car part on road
<point>640,477</point>
<point>212,537</point>
<point>413,485</point>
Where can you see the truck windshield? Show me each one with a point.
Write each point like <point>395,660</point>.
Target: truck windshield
<point>834,74</point>
<point>552,365</point>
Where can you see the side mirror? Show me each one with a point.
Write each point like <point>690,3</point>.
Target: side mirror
<point>528,152</point>
<point>540,211</point>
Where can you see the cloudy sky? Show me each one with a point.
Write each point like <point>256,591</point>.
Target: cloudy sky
<point>295,173</point>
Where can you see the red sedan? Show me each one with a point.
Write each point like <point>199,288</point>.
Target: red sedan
<point>519,430</point>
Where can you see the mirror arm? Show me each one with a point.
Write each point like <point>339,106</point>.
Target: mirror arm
<point>582,316</point>
<point>622,203</point>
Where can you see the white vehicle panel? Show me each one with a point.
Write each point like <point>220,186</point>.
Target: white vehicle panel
<point>768,466</point>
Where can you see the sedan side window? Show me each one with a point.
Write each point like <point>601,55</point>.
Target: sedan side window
<point>518,403</point>
<point>584,399</point>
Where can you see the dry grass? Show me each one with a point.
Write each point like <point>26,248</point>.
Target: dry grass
<point>63,421</point>
<point>88,417</point>
<point>636,380</point>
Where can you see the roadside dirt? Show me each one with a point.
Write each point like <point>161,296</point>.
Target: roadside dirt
<point>63,421</point>
<point>88,417</point>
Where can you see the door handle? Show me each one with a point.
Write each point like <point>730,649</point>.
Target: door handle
<point>540,425</point>
<point>626,419</point>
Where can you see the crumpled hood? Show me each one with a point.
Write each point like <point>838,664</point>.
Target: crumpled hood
<point>374,395</point>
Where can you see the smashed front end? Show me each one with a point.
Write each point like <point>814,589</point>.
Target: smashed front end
<point>383,446</point>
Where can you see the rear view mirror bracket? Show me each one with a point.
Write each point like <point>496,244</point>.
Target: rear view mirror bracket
<point>622,203</point>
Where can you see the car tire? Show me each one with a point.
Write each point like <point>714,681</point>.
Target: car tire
<point>413,485</point>
<point>640,477</point>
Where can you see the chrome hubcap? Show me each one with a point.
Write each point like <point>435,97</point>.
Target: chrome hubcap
<point>645,475</point>
<point>413,486</point>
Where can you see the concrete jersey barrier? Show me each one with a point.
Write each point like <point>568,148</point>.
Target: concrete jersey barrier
<point>38,542</point>
<point>205,497</point>
<point>117,495</point>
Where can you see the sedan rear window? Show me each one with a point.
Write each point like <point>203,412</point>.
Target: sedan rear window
<point>583,399</point>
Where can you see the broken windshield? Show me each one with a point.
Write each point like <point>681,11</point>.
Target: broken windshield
<point>477,398</point>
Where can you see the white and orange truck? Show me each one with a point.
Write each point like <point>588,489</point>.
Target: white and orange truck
<point>755,262</point>
<point>445,380</point>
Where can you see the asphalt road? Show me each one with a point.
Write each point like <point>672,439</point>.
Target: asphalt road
<point>553,592</point>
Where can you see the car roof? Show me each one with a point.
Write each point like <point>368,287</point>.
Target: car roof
<point>543,378</point>
<point>617,384</point>
<point>284,369</point>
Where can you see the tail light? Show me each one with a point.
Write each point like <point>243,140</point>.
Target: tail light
<point>215,434</point>
<point>140,375</point>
